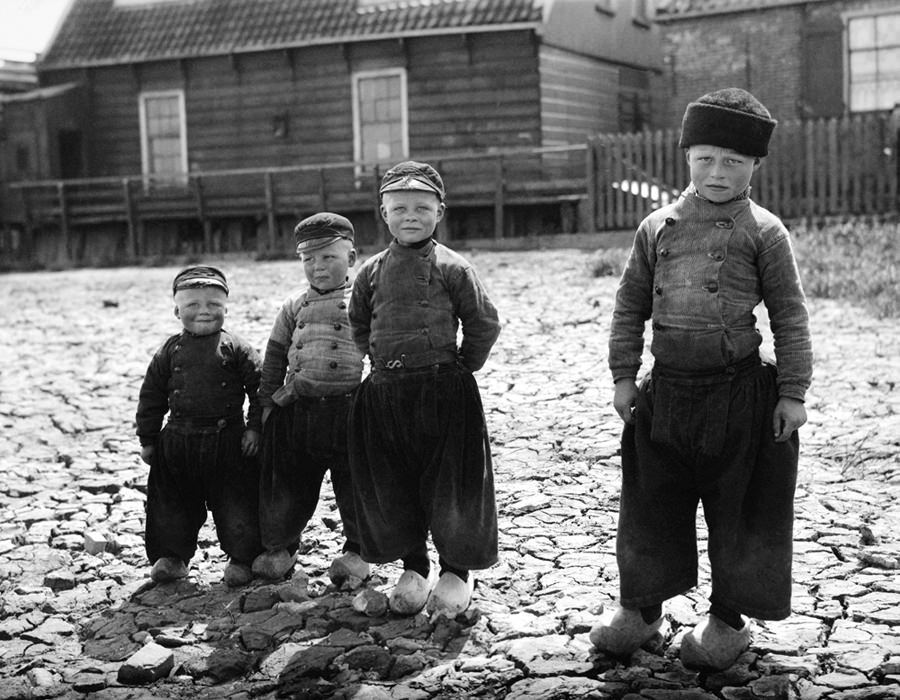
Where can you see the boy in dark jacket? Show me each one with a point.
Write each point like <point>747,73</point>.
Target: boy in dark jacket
<point>419,452</point>
<point>200,378</point>
<point>712,423</point>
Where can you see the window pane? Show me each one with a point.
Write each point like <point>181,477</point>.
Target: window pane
<point>163,133</point>
<point>888,30</point>
<point>861,32</point>
<point>863,65</point>
<point>381,119</point>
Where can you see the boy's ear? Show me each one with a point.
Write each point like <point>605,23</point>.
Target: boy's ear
<point>177,312</point>
<point>383,211</point>
<point>440,211</point>
<point>351,257</point>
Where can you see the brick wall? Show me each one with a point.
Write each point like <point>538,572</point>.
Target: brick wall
<point>763,51</point>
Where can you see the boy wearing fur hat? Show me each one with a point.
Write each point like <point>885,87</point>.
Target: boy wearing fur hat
<point>310,371</point>
<point>711,423</point>
<point>200,377</point>
<point>419,450</point>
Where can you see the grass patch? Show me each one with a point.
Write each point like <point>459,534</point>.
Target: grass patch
<point>852,261</point>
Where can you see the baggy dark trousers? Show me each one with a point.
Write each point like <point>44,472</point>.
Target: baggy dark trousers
<point>746,487</point>
<point>195,469</point>
<point>420,460</point>
<point>301,441</point>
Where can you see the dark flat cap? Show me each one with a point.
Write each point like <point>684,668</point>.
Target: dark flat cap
<point>199,276</point>
<point>320,230</point>
<point>412,175</point>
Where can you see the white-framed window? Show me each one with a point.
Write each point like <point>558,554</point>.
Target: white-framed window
<point>163,137</point>
<point>873,60</point>
<point>380,126</point>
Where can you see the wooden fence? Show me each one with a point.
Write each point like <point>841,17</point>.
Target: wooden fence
<point>815,169</point>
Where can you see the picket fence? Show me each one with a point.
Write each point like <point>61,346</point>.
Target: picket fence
<point>816,169</point>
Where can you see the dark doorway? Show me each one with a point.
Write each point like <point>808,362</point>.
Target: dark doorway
<point>71,161</point>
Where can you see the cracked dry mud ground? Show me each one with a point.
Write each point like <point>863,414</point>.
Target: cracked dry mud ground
<point>76,603</point>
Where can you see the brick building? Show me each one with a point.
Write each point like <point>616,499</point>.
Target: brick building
<point>812,58</point>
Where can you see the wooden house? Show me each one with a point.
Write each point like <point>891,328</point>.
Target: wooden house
<point>215,124</point>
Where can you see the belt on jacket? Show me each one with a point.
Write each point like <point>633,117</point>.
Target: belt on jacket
<point>199,422</point>
<point>416,360</point>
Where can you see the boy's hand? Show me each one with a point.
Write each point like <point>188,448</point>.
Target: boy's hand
<point>147,453</point>
<point>789,415</point>
<point>250,443</point>
<point>625,398</point>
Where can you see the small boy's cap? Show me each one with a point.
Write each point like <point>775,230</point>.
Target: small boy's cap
<point>729,118</point>
<point>412,175</point>
<point>199,276</point>
<point>320,230</point>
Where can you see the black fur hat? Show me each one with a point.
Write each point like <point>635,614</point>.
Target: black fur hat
<point>730,118</point>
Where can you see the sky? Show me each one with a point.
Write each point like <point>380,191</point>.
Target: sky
<point>27,25</point>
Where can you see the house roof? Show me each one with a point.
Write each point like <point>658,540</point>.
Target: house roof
<point>104,32</point>
<point>684,9</point>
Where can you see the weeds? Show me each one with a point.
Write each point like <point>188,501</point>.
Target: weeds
<point>852,261</point>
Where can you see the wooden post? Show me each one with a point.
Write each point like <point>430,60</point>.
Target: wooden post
<point>498,199</point>
<point>323,191</point>
<point>590,179</point>
<point>63,218</point>
<point>131,227</point>
<point>270,210</point>
<point>201,214</point>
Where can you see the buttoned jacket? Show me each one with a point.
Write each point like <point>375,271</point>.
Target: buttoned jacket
<point>698,270</point>
<point>310,351</point>
<point>408,304</point>
<point>199,379</point>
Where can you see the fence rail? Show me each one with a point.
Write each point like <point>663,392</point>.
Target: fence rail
<point>816,168</point>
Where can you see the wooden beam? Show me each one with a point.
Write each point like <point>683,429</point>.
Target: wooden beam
<point>271,218</point>
<point>63,217</point>
<point>131,226</point>
<point>499,187</point>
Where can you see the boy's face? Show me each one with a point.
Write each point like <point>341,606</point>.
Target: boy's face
<point>326,268</point>
<point>720,174</point>
<point>411,215</point>
<point>202,310</point>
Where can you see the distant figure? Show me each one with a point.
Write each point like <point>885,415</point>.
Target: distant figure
<point>199,460</point>
<point>310,371</point>
<point>419,450</point>
<point>711,423</point>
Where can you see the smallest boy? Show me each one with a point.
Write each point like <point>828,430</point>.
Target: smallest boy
<point>310,371</point>
<point>200,377</point>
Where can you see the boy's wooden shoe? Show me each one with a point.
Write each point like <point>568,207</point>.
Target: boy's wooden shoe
<point>273,566</point>
<point>167,569</point>
<point>451,594</point>
<point>237,574</point>
<point>411,593</point>
<point>714,645</point>
<point>624,632</point>
<point>348,565</point>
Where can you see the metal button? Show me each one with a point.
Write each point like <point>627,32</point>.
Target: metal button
<point>305,302</point>
<point>663,252</point>
<point>337,326</point>
<point>301,325</point>
<point>342,305</point>
<point>712,287</point>
<point>724,223</point>
<point>333,365</point>
<point>334,346</point>
<point>658,289</point>
<point>221,423</point>
<point>670,221</point>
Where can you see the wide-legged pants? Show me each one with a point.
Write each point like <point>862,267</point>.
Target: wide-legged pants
<point>195,469</point>
<point>302,441</point>
<point>420,461</point>
<point>747,492</point>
